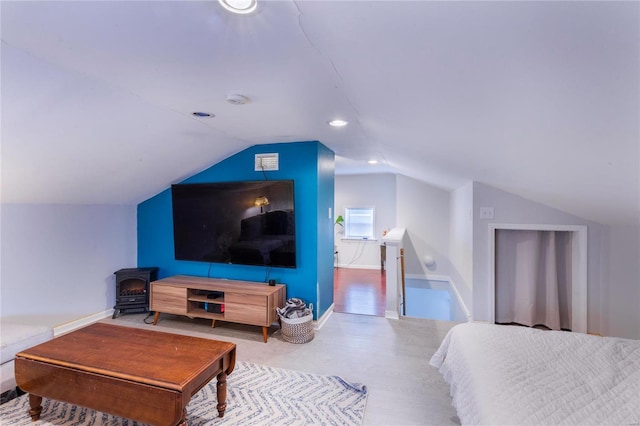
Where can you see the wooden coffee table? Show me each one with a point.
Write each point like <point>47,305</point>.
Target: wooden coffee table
<point>138,374</point>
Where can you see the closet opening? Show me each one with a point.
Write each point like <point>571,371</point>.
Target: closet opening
<point>538,276</point>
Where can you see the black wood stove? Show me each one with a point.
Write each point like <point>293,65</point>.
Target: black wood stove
<point>132,289</point>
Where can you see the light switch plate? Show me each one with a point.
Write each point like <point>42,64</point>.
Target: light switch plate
<point>486,213</point>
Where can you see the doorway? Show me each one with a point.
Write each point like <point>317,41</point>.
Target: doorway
<point>359,291</point>
<point>578,274</point>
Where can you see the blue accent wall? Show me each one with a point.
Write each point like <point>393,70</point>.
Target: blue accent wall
<point>311,166</point>
<point>325,224</point>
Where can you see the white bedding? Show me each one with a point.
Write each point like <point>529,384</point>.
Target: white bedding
<point>509,375</point>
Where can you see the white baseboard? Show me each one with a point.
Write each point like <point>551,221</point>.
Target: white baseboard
<point>391,315</point>
<point>324,318</point>
<point>351,266</point>
<point>79,323</point>
<point>430,277</point>
<point>462,304</point>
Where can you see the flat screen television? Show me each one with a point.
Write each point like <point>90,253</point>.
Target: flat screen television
<point>246,223</point>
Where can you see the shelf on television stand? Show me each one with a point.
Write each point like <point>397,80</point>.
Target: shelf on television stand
<point>245,302</point>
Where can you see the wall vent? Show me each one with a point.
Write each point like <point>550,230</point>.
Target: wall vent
<point>266,162</point>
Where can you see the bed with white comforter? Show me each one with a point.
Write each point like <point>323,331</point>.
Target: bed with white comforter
<point>509,375</point>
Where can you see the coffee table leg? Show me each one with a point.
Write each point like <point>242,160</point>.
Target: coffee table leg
<point>221,389</point>
<point>183,422</point>
<point>35,402</point>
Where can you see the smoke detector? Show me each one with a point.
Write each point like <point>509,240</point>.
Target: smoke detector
<point>237,99</point>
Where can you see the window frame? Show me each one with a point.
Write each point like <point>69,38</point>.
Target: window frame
<point>348,224</point>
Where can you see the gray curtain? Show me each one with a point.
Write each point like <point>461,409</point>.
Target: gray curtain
<point>533,278</point>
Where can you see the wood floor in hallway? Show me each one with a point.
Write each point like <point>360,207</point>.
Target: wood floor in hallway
<point>359,291</point>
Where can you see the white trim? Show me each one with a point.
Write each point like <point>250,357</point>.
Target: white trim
<point>579,271</point>
<point>373,224</point>
<point>461,301</point>
<point>430,277</point>
<point>352,266</point>
<point>324,318</point>
<point>394,236</point>
<point>81,322</point>
<point>434,277</point>
<point>391,315</point>
<point>393,303</point>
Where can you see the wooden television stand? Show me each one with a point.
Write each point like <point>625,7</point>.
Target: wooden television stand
<point>243,302</point>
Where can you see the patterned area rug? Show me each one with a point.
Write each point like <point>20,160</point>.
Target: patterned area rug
<point>256,395</point>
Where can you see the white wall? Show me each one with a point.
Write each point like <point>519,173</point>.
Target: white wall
<point>423,210</point>
<point>374,190</point>
<point>621,283</point>
<point>613,290</point>
<point>461,242</point>
<point>400,201</point>
<point>59,260</point>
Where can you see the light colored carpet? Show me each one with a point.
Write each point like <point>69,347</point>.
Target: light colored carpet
<point>256,395</point>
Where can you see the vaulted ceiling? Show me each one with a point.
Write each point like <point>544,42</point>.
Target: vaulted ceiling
<point>537,98</point>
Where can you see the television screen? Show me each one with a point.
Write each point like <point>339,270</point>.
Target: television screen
<point>248,223</point>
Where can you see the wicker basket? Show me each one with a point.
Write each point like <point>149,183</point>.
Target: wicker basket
<point>298,330</point>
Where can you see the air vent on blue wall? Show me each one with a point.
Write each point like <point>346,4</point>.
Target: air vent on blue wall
<point>266,162</point>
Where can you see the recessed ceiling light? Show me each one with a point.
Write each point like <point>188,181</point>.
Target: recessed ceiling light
<point>239,6</point>
<point>201,114</point>
<point>338,123</point>
<point>372,161</point>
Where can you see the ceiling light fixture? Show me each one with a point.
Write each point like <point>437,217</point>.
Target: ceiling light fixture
<point>338,123</point>
<point>239,6</point>
<point>372,161</point>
